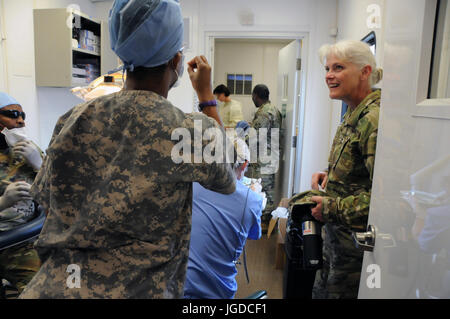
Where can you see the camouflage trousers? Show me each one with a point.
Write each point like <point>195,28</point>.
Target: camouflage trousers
<point>342,262</point>
<point>268,186</point>
<point>19,264</point>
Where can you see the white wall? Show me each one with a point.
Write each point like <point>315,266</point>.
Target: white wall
<point>3,82</point>
<point>248,57</point>
<point>183,96</point>
<point>19,54</point>
<point>352,20</point>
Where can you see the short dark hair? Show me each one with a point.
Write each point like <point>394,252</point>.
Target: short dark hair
<point>261,91</point>
<point>222,89</point>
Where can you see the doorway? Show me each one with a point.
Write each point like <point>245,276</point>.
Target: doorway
<point>242,62</point>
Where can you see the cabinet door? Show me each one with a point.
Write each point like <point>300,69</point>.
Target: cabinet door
<point>52,47</point>
<point>109,59</point>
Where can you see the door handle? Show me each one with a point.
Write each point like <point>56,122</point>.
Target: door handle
<point>365,240</point>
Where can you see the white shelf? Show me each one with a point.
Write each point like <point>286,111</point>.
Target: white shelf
<point>85,51</point>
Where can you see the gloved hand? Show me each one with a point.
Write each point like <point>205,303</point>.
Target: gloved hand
<point>30,153</point>
<point>242,129</point>
<point>243,125</point>
<point>15,192</point>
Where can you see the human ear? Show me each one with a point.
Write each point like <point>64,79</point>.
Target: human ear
<point>365,72</point>
<point>176,60</point>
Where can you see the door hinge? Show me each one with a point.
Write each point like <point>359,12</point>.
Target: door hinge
<point>294,141</point>
<point>299,64</point>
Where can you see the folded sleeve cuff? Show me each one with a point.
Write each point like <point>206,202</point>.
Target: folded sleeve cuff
<point>329,209</point>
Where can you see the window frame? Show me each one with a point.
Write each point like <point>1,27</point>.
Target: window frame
<point>428,107</point>
<point>244,82</point>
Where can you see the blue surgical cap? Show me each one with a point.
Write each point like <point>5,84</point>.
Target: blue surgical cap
<point>243,125</point>
<point>242,129</point>
<point>6,100</point>
<point>145,33</point>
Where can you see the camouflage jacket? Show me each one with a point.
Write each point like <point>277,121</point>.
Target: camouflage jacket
<point>118,206</point>
<point>269,117</point>
<point>13,169</point>
<point>350,166</point>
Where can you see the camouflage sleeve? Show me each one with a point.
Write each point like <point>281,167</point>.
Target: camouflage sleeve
<point>214,173</point>
<point>59,125</point>
<point>39,189</point>
<point>368,129</point>
<point>262,120</point>
<point>221,180</point>
<point>353,211</point>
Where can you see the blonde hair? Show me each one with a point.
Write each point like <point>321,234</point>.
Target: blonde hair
<point>352,51</point>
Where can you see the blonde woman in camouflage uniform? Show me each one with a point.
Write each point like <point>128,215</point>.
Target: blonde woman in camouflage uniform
<point>18,166</point>
<point>344,206</point>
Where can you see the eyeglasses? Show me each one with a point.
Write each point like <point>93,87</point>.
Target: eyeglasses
<point>14,114</point>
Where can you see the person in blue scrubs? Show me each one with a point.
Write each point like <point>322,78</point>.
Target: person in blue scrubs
<point>221,225</point>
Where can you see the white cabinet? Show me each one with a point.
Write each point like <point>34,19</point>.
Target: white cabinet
<point>71,48</point>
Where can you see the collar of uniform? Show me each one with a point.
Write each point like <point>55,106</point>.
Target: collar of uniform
<point>154,95</point>
<point>263,106</point>
<point>352,118</point>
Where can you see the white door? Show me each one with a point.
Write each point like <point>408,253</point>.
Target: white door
<point>410,205</point>
<point>288,102</point>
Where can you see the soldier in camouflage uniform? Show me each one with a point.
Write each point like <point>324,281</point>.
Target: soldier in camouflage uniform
<point>269,117</point>
<point>119,206</point>
<point>19,263</point>
<point>344,206</point>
